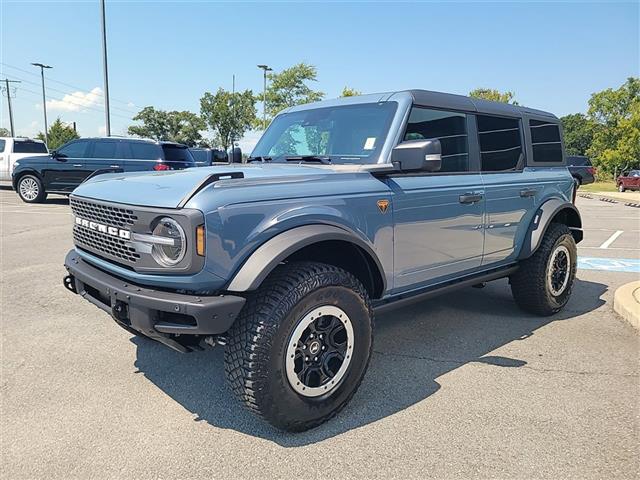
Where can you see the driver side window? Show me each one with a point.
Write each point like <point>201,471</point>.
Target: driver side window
<point>77,149</point>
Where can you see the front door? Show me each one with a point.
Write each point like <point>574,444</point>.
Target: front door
<point>438,216</point>
<point>66,170</point>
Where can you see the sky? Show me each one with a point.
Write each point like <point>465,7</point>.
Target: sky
<point>553,55</point>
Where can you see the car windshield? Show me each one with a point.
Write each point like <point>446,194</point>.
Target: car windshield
<point>199,155</point>
<point>28,146</point>
<point>176,153</point>
<point>343,134</point>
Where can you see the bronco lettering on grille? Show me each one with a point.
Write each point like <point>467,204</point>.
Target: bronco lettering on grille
<point>100,227</point>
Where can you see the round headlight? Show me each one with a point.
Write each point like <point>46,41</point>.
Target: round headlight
<point>170,254</point>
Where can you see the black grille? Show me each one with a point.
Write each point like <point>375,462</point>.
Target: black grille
<point>102,242</point>
<point>105,214</point>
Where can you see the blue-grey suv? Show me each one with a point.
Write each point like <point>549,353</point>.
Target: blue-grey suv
<point>346,208</point>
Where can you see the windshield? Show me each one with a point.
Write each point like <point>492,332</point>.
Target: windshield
<point>177,153</point>
<point>199,155</point>
<point>344,134</point>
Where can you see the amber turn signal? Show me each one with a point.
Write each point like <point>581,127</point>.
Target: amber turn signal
<point>200,240</point>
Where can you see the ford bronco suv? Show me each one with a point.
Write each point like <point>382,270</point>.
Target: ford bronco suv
<point>346,208</point>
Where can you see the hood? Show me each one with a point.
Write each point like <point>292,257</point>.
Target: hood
<point>170,189</point>
<point>28,157</point>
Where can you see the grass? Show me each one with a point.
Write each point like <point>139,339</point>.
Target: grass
<point>599,187</point>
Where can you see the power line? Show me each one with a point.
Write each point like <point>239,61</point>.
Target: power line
<point>61,83</point>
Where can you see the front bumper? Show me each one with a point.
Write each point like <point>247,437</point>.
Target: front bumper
<point>161,315</point>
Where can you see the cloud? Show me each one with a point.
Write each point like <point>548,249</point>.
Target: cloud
<point>77,101</point>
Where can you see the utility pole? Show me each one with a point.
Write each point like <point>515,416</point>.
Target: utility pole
<point>44,101</point>
<point>7,82</point>
<point>106,73</point>
<point>265,69</point>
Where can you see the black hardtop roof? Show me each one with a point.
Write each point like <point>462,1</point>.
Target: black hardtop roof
<point>115,138</point>
<point>461,102</point>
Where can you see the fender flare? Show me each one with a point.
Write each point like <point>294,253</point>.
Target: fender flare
<point>543,218</point>
<point>271,253</point>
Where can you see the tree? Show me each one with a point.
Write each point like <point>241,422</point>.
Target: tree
<point>175,126</point>
<point>493,95</point>
<point>616,141</point>
<point>59,134</point>
<point>578,133</point>
<point>4,132</point>
<point>228,115</point>
<point>289,88</point>
<point>350,92</point>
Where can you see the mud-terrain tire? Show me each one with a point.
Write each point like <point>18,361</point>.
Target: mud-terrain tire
<point>543,283</point>
<point>267,344</point>
<point>30,189</point>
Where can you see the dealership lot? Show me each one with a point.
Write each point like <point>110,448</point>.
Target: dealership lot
<point>463,385</point>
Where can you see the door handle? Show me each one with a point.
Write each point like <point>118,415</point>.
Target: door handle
<point>528,192</point>
<point>470,198</point>
<point>77,164</point>
<point>114,166</point>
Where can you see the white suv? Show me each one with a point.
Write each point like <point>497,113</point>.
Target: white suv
<point>15,148</point>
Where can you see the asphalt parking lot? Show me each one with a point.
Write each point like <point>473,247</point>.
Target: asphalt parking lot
<point>463,386</point>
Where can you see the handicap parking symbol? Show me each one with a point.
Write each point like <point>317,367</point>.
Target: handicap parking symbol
<point>629,265</point>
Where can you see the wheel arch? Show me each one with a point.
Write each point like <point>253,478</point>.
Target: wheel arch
<point>554,210</point>
<point>16,178</point>
<point>321,243</point>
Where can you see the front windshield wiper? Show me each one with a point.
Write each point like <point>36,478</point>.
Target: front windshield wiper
<point>309,158</point>
<point>259,159</point>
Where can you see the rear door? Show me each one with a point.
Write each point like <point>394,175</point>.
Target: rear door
<point>67,169</point>
<point>103,157</point>
<point>4,161</point>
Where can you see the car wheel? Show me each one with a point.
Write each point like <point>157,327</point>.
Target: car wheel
<point>301,346</point>
<point>543,282</point>
<point>621,188</point>
<point>30,189</point>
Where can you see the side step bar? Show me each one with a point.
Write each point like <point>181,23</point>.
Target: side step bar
<point>403,300</point>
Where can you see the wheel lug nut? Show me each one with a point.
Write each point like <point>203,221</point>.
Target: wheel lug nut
<point>323,347</point>
<point>306,359</point>
<point>311,336</point>
<point>315,359</point>
<point>321,336</point>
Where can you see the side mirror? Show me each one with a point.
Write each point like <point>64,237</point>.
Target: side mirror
<point>414,155</point>
<point>236,155</point>
<point>53,153</point>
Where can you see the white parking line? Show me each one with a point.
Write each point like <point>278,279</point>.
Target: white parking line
<point>607,243</point>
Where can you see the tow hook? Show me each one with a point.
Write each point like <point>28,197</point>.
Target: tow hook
<point>69,283</point>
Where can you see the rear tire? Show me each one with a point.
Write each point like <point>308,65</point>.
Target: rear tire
<point>301,346</point>
<point>543,283</point>
<point>30,189</point>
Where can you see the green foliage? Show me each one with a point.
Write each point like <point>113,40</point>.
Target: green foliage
<point>59,134</point>
<point>578,133</point>
<point>494,95</point>
<point>182,127</point>
<point>289,88</point>
<point>616,141</point>
<point>4,132</point>
<point>228,115</point>
<point>350,92</point>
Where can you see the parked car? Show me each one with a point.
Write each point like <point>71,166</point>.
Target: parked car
<point>381,200</point>
<point>205,157</point>
<point>66,168</point>
<point>581,169</point>
<point>628,181</point>
<point>15,148</point>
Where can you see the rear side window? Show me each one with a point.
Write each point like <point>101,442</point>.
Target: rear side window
<point>2,145</point>
<point>545,141</point>
<point>448,127</point>
<point>104,149</point>
<point>143,151</point>
<point>576,161</point>
<point>29,147</point>
<point>500,143</point>
<point>175,153</point>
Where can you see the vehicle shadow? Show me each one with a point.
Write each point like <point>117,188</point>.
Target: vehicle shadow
<point>413,347</point>
<point>53,199</point>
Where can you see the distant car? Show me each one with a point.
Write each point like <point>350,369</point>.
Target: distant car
<point>15,148</point>
<point>66,168</point>
<point>629,181</point>
<point>581,169</point>
<point>209,156</point>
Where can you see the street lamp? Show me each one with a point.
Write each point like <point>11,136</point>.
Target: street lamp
<point>265,69</point>
<point>107,119</point>
<point>44,101</point>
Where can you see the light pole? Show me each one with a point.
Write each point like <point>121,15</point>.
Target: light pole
<point>265,69</point>
<point>7,82</point>
<point>44,101</point>
<point>106,73</point>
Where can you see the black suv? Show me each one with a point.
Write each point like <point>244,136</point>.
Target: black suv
<point>581,169</point>
<point>66,168</point>
<point>205,157</point>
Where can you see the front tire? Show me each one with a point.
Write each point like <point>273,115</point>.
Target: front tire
<point>543,283</point>
<point>30,189</point>
<point>301,346</point>
<point>621,188</point>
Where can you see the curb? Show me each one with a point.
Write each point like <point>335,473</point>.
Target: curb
<point>626,303</point>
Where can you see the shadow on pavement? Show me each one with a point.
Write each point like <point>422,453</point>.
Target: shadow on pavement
<point>413,347</point>
<point>55,200</point>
